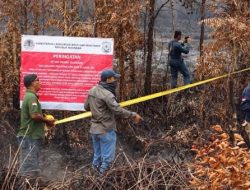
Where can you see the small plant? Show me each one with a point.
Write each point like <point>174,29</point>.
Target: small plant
<point>219,165</point>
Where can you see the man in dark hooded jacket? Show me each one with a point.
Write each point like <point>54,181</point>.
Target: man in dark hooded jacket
<point>102,103</point>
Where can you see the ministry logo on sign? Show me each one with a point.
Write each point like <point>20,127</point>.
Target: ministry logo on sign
<point>106,47</point>
<point>28,44</point>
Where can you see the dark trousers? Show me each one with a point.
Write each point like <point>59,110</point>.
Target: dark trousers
<point>178,66</point>
<point>247,116</point>
<point>29,154</point>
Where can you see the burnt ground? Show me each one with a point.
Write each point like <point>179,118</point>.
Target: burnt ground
<point>172,124</point>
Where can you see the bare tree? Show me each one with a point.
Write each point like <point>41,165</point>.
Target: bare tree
<point>150,43</point>
<point>119,20</point>
<point>202,12</point>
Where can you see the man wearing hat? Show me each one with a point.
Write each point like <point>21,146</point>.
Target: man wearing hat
<point>31,131</point>
<point>102,103</point>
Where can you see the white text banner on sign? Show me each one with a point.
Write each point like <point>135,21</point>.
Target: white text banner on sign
<point>67,67</point>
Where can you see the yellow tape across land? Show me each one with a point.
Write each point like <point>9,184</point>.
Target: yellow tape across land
<point>151,96</point>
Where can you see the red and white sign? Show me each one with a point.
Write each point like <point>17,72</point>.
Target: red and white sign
<point>67,67</point>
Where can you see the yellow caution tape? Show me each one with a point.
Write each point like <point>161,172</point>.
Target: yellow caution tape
<point>151,96</point>
<point>73,118</point>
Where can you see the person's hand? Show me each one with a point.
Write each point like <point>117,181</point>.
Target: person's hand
<point>187,39</point>
<point>137,118</point>
<point>50,122</point>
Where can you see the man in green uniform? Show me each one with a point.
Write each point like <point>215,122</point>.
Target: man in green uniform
<point>31,131</point>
